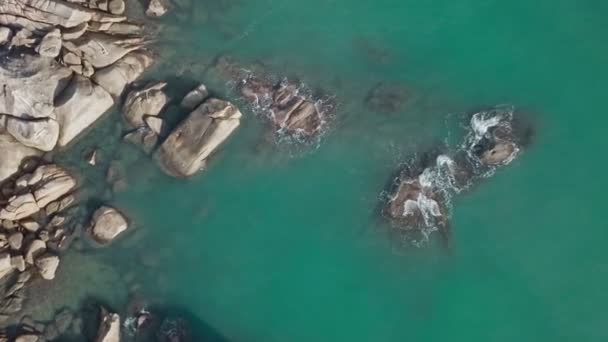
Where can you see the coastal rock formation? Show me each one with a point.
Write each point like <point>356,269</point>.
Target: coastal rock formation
<point>148,101</point>
<point>195,97</point>
<point>187,148</point>
<point>107,224</point>
<point>48,98</point>
<point>293,111</point>
<point>109,327</point>
<point>419,198</point>
<point>157,8</point>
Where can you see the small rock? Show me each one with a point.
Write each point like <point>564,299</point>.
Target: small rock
<point>157,8</point>
<point>63,320</point>
<point>116,7</point>
<point>87,69</point>
<point>18,262</point>
<point>47,265</point>
<point>70,58</point>
<point>195,98</point>
<point>3,240</point>
<point>8,224</point>
<point>35,249</point>
<point>50,45</point>
<point>156,124</point>
<point>107,224</point>
<point>15,241</point>
<point>30,225</point>
<point>44,235</point>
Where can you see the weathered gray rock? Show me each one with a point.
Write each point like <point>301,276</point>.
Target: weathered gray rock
<point>116,77</point>
<point>34,250</point>
<point>149,100</point>
<point>74,32</point>
<point>30,85</point>
<point>30,225</point>
<point>19,207</point>
<point>12,154</point>
<point>107,224</point>
<point>109,327</point>
<point>15,240</point>
<point>187,148</point>
<point>71,58</point>
<point>194,98</point>
<point>50,45</point>
<point>79,106</point>
<point>101,49</point>
<point>41,134</point>
<point>116,6</point>
<point>47,266</point>
<point>55,183</point>
<point>144,137</point>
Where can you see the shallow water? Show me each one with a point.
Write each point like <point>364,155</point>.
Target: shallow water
<point>284,244</point>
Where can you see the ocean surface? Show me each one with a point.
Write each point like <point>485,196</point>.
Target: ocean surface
<point>280,242</point>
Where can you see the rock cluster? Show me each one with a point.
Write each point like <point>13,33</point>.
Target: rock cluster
<point>187,148</point>
<point>33,217</point>
<point>418,198</point>
<point>293,111</point>
<point>184,150</point>
<point>63,66</point>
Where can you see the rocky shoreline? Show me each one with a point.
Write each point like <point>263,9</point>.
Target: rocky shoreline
<point>64,64</point>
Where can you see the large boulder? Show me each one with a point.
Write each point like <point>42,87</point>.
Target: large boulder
<point>12,154</point>
<point>187,148</point>
<point>41,134</point>
<point>148,101</point>
<point>30,84</point>
<point>109,327</point>
<point>79,106</point>
<point>116,77</point>
<point>107,224</point>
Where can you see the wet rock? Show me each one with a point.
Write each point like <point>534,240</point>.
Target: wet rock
<point>34,250</point>
<point>174,330</point>
<point>194,98</point>
<point>143,137</point>
<point>187,148</point>
<point>107,224</point>
<point>388,97</point>
<point>157,8</point>
<point>109,327</point>
<point>148,101</point>
<point>15,241</point>
<point>156,124</point>
<point>50,45</point>
<point>47,266</point>
<point>63,320</point>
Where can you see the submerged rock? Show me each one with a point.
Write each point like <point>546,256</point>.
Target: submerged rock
<point>186,150</point>
<point>157,8</point>
<point>107,224</point>
<point>194,98</point>
<point>387,97</point>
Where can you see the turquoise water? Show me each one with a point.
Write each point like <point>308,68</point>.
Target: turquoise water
<point>277,243</point>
